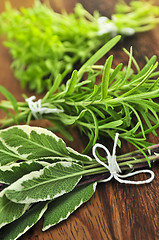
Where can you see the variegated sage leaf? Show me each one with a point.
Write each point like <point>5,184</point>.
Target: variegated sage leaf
<point>9,211</point>
<point>48,183</point>
<point>7,156</point>
<point>61,208</point>
<point>14,171</point>
<point>37,143</point>
<point>17,228</point>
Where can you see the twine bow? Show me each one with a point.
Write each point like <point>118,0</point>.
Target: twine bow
<point>114,168</point>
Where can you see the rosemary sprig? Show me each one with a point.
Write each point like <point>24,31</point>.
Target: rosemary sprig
<point>57,41</point>
<point>123,102</point>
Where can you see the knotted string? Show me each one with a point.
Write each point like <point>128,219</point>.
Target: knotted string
<point>107,26</point>
<point>114,168</point>
<point>36,107</point>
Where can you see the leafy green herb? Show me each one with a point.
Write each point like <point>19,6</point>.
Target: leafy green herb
<point>61,208</point>
<point>49,186</point>
<point>57,41</point>
<point>124,102</point>
<point>142,16</point>
<point>54,181</point>
<point>18,227</point>
<point>9,210</point>
<point>38,145</point>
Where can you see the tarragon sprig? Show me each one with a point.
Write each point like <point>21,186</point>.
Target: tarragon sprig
<point>44,43</point>
<point>124,101</point>
<point>42,177</point>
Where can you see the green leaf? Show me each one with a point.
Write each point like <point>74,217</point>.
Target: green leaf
<point>127,115</point>
<point>95,126</point>
<point>105,78</point>
<point>12,172</point>
<point>70,85</point>
<point>48,183</point>
<point>17,228</point>
<point>115,72</point>
<point>97,111</point>
<point>128,70</point>
<point>146,68</point>
<point>90,143</point>
<point>99,54</point>
<point>10,97</point>
<point>133,59</point>
<point>112,124</point>
<point>9,211</point>
<point>69,120</point>
<point>54,87</point>
<point>61,208</point>
<point>7,156</point>
<point>58,126</point>
<point>151,69</point>
<point>34,143</point>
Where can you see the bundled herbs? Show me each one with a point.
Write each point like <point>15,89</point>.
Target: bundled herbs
<point>42,177</point>
<point>44,43</point>
<point>122,102</point>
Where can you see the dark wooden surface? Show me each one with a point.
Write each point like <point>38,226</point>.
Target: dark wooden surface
<point>116,211</point>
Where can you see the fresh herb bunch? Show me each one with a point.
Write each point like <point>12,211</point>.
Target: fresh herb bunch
<point>44,43</point>
<point>123,101</point>
<point>139,15</point>
<point>41,177</point>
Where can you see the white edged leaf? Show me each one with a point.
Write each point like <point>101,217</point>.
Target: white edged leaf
<point>14,171</point>
<point>46,184</point>
<point>7,156</point>
<point>61,208</point>
<point>17,228</point>
<point>78,156</point>
<point>35,142</point>
<point>9,211</point>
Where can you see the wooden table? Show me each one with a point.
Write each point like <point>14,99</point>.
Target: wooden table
<point>116,211</point>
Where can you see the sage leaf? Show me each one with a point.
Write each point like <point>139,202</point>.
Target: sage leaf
<point>48,183</point>
<point>33,143</point>
<point>7,156</point>
<point>11,173</point>
<point>9,211</point>
<point>17,228</point>
<point>61,208</point>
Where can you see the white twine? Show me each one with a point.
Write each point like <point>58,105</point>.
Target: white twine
<point>105,26</point>
<point>127,31</point>
<point>114,168</point>
<point>36,107</point>
<point>108,26</point>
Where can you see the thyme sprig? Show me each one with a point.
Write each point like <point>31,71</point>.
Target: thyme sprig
<point>57,41</point>
<point>124,102</point>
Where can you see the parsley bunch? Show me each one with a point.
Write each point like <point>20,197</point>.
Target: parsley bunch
<point>44,43</point>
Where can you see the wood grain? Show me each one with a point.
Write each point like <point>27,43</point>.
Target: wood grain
<point>116,211</point>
